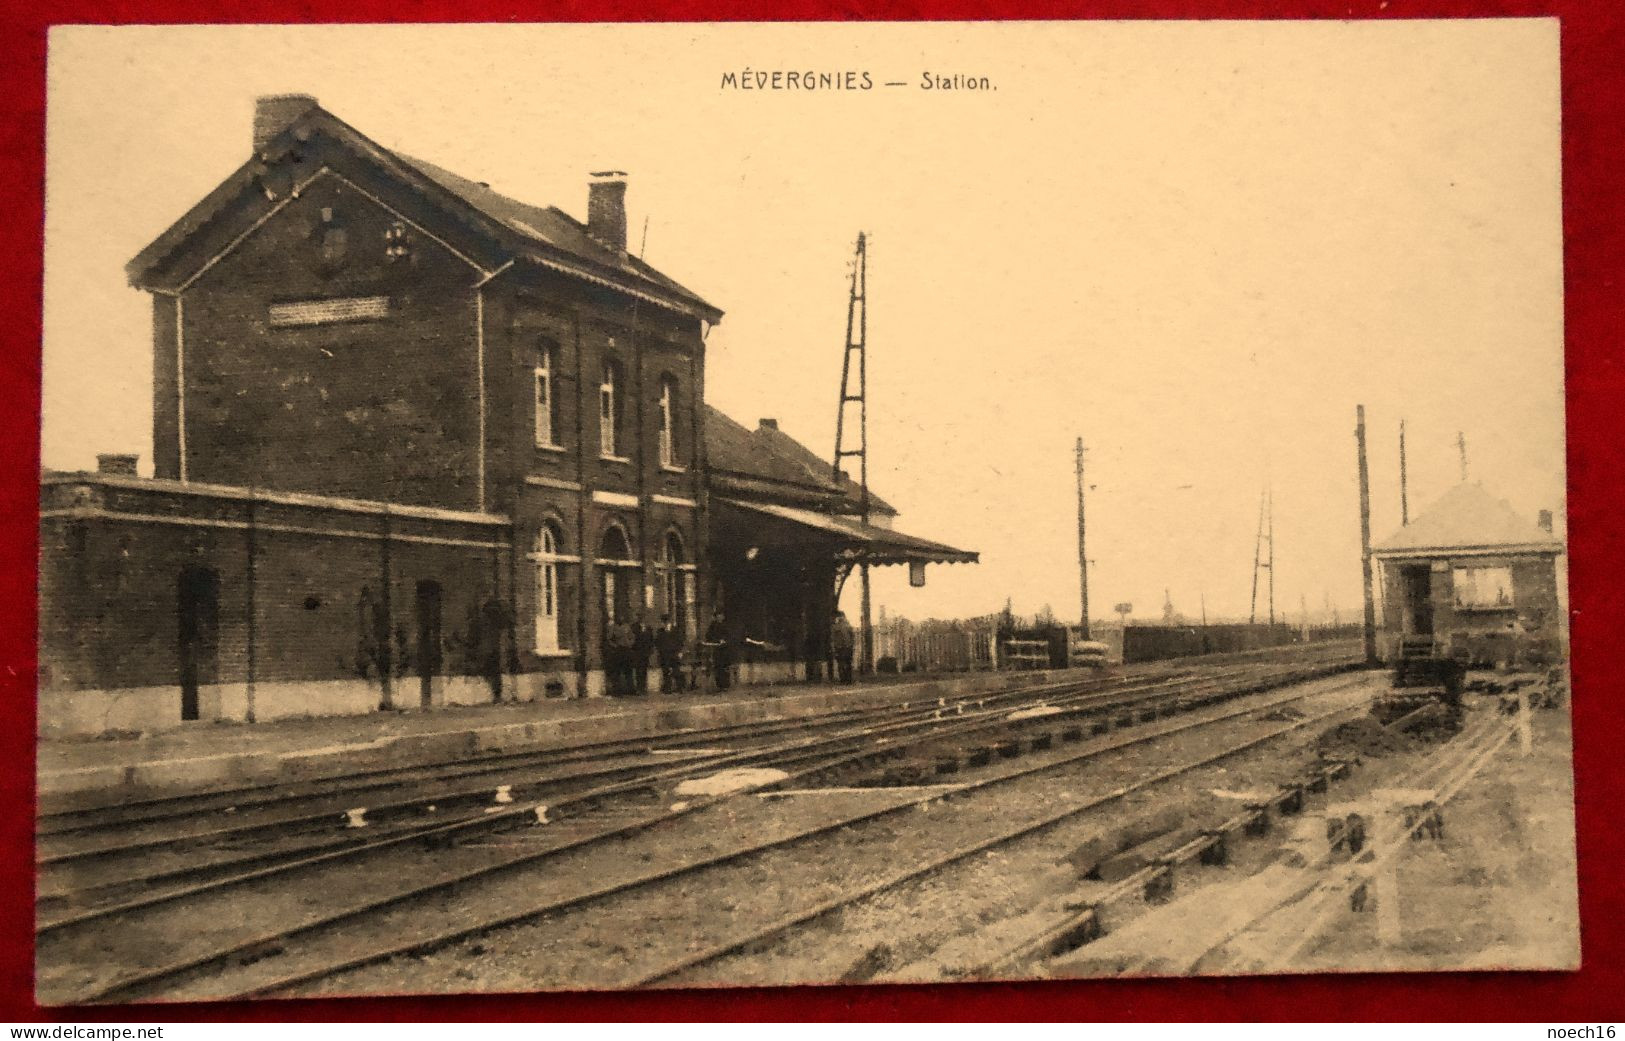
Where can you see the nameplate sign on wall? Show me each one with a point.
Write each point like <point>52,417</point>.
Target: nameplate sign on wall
<point>321,312</point>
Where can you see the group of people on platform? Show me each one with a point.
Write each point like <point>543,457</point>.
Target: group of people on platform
<point>628,648</point>
<point>630,645</point>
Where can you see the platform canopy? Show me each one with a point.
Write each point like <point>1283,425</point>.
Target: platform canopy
<point>857,542</point>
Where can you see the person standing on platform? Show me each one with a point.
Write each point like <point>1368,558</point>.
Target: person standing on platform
<point>669,652</point>
<point>643,645</point>
<point>618,658</point>
<point>843,643</point>
<point>716,639</point>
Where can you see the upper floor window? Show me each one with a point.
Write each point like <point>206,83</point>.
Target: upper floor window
<point>543,380</point>
<point>668,422</point>
<point>609,412</point>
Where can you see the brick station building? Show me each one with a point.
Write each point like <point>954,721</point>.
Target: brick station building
<point>415,443</point>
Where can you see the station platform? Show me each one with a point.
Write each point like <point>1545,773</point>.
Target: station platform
<point>209,755</point>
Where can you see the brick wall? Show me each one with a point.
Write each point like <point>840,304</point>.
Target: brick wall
<point>1535,605</point>
<point>384,408</point>
<point>387,408</point>
<point>584,327</point>
<point>328,599</point>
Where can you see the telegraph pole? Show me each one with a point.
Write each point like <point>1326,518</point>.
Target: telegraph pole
<point>1270,497</point>
<point>1404,500</point>
<point>1365,539</point>
<point>1258,546</point>
<point>1461,445</point>
<point>1083,553</point>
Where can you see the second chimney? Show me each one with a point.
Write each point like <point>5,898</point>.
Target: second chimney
<point>606,209</point>
<point>276,113</point>
<point>1545,520</point>
<point>768,424</point>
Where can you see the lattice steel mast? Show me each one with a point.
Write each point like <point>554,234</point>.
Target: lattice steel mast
<point>857,330</point>
<point>1261,560</point>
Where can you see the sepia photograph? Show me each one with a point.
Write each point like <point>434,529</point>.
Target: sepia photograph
<point>543,507</point>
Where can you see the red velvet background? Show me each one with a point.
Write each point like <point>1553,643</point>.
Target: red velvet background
<point>1593,60</point>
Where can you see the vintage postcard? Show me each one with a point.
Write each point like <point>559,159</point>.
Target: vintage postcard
<point>539,507</point>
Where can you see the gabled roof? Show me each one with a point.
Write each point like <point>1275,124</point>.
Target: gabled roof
<point>546,226</point>
<point>770,455</point>
<point>1468,518</point>
<point>514,230</point>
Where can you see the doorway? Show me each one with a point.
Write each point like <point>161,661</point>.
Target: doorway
<point>1418,586</point>
<point>428,619</point>
<point>198,623</point>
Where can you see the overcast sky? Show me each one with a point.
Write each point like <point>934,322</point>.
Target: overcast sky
<point>1196,245</point>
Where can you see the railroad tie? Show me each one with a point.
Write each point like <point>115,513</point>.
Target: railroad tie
<point>1159,885</point>
<point>1216,851</point>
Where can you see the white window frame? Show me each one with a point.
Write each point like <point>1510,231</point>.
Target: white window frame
<point>547,559</point>
<point>1465,583</point>
<point>542,397</point>
<point>608,407</point>
<point>668,428</point>
<point>609,566</point>
<point>671,578</point>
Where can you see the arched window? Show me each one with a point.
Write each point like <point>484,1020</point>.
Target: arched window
<point>547,557</point>
<point>614,553</point>
<point>668,422</point>
<point>609,408</point>
<point>546,428</point>
<point>672,599</point>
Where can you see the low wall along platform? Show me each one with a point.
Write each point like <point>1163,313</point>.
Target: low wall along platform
<point>230,755</point>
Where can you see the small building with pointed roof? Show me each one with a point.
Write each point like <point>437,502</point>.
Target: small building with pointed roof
<point>1472,578</point>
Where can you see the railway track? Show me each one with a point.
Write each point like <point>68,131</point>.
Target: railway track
<point>1300,916</point>
<point>82,861</point>
<point>82,885</point>
<point>701,967</point>
<point>1295,907</point>
<point>68,833</point>
<point>193,931</point>
<point>85,862</point>
<point>67,817</point>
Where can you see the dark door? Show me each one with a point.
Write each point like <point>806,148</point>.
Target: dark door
<point>198,617</point>
<point>1419,599</point>
<point>493,629</point>
<point>428,615</point>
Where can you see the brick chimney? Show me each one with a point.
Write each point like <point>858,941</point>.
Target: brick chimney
<point>275,113</point>
<point>1545,520</point>
<point>606,209</point>
<point>767,424</point>
<point>116,463</point>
